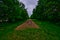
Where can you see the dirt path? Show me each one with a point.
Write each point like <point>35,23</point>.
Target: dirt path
<point>28,24</point>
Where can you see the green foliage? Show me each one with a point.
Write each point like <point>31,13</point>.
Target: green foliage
<point>47,10</point>
<point>11,10</point>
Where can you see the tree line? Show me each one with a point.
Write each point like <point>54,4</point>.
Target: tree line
<point>47,10</point>
<point>12,10</point>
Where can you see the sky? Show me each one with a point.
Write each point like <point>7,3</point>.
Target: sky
<point>29,5</point>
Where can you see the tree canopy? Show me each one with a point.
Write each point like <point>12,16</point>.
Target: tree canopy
<point>47,10</point>
<point>12,10</point>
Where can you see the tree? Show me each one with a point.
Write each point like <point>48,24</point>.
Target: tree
<point>12,10</point>
<point>47,10</point>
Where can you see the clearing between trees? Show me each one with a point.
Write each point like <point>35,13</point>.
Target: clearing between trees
<point>28,24</point>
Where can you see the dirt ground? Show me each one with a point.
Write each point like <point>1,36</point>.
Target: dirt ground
<point>28,24</point>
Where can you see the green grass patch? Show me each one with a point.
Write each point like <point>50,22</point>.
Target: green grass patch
<point>46,31</point>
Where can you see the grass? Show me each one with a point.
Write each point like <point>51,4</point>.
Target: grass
<point>47,31</point>
<point>51,30</point>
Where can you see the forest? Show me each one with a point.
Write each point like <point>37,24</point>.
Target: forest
<point>44,23</point>
<point>47,10</point>
<point>12,10</point>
